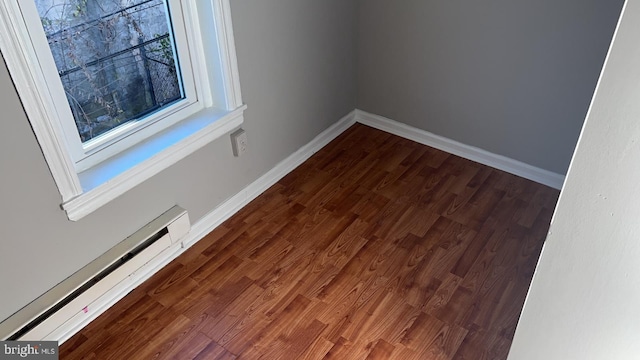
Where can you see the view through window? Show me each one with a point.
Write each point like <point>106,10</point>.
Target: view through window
<point>116,59</point>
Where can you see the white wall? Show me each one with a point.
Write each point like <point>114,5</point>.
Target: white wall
<point>296,60</point>
<point>584,302</point>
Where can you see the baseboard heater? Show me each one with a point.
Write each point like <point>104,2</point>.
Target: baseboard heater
<point>88,292</point>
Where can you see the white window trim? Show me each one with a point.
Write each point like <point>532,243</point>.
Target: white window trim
<point>88,154</point>
<point>215,59</point>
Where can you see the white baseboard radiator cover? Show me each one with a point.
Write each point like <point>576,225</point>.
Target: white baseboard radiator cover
<point>89,292</point>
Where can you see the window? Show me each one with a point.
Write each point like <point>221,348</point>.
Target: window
<point>117,65</point>
<point>117,90</point>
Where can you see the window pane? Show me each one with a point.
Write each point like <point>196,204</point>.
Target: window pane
<point>115,59</point>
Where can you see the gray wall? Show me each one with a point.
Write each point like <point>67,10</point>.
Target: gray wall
<point>584,300</point>
<point>514,77</point>
<point>297,71</point>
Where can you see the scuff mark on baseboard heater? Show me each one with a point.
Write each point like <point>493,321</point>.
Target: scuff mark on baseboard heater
<point>78,294</point>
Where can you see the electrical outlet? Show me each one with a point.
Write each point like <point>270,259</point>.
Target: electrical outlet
<point>239,142</point>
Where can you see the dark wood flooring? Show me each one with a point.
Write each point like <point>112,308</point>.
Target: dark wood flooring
<point>375,248</point>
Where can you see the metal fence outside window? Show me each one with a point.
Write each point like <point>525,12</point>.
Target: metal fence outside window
<point>115,59</point>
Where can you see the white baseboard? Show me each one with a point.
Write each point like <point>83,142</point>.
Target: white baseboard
<point>200,229</point>
<point>238,201</point>
<point>227,209</point>
<point>466,151</point>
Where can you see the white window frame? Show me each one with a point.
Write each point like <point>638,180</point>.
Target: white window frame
<point>124,136</point>
<point>214,110</point>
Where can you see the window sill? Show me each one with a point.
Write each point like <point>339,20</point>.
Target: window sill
<point>113,177</point>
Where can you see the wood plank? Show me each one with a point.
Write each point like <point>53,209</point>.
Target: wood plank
<point>382,350</point>
<point>375,248</point>
<point>318,350</point>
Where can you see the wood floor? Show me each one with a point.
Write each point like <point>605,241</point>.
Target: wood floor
<point>375,248</point>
